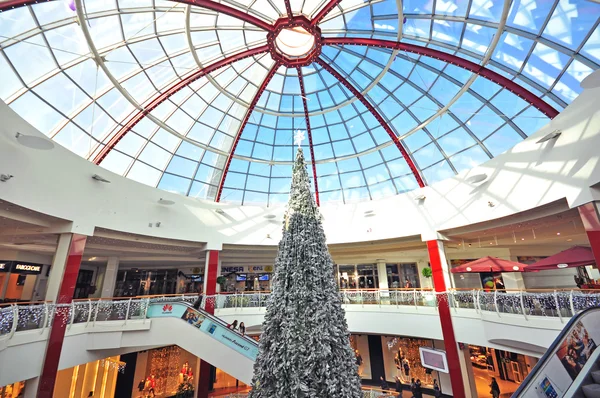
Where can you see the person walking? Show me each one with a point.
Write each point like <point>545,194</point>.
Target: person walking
<point>437,392</point>
<point>494,388</point>
<point>383,383</point>
<point>399,386</point>
<point>418,389</point>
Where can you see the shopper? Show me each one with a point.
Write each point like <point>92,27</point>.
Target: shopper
<point>383,384</point>
<point>399,386</point>
<point>233,326</point>
<point>413,387</point>
<point>418,389</point>
<point>494,388</point>
<point>406,367</point>
<point>408,284</point>
<point>242,328</point>
<point>437,392</point>
<point>198,302</point>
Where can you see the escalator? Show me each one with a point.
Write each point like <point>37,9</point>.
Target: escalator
<point>211,341</point>
<point>571,366</point>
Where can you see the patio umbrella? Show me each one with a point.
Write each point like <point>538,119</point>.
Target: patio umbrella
<point>570,258</point>
<point>489,264</point>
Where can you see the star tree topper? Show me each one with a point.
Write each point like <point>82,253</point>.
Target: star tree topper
<point>299,137</point>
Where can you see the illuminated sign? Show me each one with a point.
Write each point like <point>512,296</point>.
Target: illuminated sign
<point>5,266</point>
<point>248,269</point>
<point>26,268</point>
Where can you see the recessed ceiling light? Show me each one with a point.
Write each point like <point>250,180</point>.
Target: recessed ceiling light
<point>166,202</point>
<point>92,258</point>
<point>219,211</point>
<point>562,265</point>
<point>100,178</point>
<point>558,233</point>
<point>522,238</point>
<point>420,197</point>
<point>270,216</point>
<point>477,178</point>
<point>34,142</point>
<point>551,136</point>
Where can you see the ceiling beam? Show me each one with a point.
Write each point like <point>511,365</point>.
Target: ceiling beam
<point>238,135</point>
<point>324,11</point>
<point>208,4</point>
<point>165,95</point>
<point>378,117</point>
<point>309,132</point>
<point>480,70</point>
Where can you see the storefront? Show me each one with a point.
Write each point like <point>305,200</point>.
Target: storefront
<point>18,280</point>
<point>365,276</point>
<point>97,379</point>
<point>143,282</point>
<point>249,278</point>
<point>402,359</point>
<point>509,368</point>
<point>164,371</point>
<point>12,390</point>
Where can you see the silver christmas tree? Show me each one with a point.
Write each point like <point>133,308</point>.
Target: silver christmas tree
<point>305,345</point>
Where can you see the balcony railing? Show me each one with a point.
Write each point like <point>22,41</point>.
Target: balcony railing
<point>542,303</point>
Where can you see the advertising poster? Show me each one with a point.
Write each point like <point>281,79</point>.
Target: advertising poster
<point>575,350</point>
<point>193,317</point>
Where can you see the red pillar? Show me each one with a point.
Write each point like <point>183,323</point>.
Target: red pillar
<point>439,283</point>
<point>210,289</point>
<point>59,324</point>
<point>591,221</point>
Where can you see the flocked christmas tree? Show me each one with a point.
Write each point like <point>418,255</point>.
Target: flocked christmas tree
<point>305,345</point>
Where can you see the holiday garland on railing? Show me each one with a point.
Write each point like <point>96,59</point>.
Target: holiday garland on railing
<point>305,348</point>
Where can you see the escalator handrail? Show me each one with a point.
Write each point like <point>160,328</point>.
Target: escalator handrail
<point>551,350</point>
<point>212,318</point>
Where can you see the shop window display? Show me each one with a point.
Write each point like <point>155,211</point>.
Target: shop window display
<point>139,282</point>
<point>12,390</point>
<point>405,275</point>
<point>402,359</point>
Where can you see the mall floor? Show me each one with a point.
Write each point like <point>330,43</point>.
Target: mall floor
<point>483,380</point>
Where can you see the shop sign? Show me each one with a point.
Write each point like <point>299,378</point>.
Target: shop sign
<point>5,266</point>
<point>251,269</point>
<point>26,268</point>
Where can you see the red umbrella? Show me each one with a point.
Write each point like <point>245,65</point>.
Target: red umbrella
<point>489,264</point>
<point>573,257</point>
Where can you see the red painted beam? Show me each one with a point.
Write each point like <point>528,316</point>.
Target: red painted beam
<point>238,135</point>
<point>377,116</point>
<point>288,9</point>
<point>192,77</point>
<point>324,11</point>
<point>439,283</point>
<point>61,315</point>
<point>482,71</point>
<point>208,4</point>
<point>310,141</point>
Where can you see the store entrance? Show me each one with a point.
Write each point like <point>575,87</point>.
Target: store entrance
<point>83,286</point>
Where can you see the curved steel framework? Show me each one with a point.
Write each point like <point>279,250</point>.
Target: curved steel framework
<point>309,133</point>
<point>475,68</point>
<point>236,140</point>
<point>482,71</point>
<point>377,116</point>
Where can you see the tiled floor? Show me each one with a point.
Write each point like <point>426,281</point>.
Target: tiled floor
<point>483,380</point>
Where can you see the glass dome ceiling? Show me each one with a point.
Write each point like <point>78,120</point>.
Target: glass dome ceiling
<point>203,98</point>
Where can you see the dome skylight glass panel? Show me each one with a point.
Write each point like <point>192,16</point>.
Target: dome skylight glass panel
<point>204,98</point>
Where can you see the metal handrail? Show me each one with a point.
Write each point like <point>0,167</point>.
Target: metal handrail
<point>559,304</point>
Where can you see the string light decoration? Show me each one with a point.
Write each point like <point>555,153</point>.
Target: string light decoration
<point>164,365</point>
<point>113,364</point>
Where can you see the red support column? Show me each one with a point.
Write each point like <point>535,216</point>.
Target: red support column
<point>591,222</point>
<point>211,272</point>
<point>439,282</point>
<point>61,317</point>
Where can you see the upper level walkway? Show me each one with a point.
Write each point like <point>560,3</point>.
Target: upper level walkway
<point>519,321</point>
